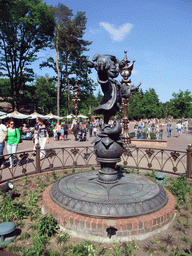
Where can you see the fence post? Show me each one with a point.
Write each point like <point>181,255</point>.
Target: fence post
<point>38,166</point>
<point>189,161</point>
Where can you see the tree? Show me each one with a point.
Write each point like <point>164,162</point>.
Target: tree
<point>62,14</point>
<point>26,26</point>
<point>44,97</point>
<point>69,47</point>
<point>5,88</point>
<point>151,104</point>
<point>181,104</point>
<point>71,44</point>
<point>145,105</point>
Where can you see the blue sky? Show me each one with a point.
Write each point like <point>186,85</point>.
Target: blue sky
<point>155,33</point>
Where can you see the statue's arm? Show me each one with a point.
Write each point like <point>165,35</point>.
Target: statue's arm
<point>135,88</point>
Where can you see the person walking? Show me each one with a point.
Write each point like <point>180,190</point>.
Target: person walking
<point>65,127</point>
<point>179,127</point>
<point>55,133</point>
<point>62,133</point>
<point>36,139</point>
<point>95,131</point>
<point>90,128</point>
<point>75,130</point>
<point>58,131</point>
<point>169,128</point>
<point>43,136</point>
<point>185,126</point>
<point>3,135</point>
<point>13,138</point>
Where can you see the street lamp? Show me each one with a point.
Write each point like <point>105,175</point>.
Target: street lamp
<point>126,73</point>
<point>166,110</point>
<point>76,99</point>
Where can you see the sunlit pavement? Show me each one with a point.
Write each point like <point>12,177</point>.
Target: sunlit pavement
<point>173,142</point>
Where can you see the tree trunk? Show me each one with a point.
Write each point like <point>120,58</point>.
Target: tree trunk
<point>58,78</point>
<point>68,85</point>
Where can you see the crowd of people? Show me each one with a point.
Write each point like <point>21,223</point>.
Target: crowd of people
<point>80,130</point>
<point>156,127</point>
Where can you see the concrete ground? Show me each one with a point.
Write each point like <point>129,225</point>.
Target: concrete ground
<point>173,143</point>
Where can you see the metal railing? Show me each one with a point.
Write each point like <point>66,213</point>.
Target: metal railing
<point>162,160</point>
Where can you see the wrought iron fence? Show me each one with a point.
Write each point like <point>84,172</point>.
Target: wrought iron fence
<point>163,160</point>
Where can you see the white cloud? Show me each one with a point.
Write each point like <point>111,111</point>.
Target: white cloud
<point>117,34</point>
<point>94,31</point>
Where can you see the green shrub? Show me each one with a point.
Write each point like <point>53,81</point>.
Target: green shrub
<point>47,225</point>
<point>153,136</point>
<point>83,249</point>
<point>38,248</point>
<point>180,188</point>
<point>11,210</point>
<point>51,131</point>
<point>150,174</point>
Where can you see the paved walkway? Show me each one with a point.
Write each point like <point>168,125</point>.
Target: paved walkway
<point>173,143</point>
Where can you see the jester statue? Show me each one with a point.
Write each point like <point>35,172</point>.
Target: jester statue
<point>109,145</point>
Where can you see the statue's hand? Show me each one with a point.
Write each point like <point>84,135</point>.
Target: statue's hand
<point>103,63</point>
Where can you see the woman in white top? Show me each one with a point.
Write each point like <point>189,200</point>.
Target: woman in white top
<point>43,136</point>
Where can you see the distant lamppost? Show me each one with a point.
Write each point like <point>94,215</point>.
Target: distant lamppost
<point>126,73</point>
<point>166,110</point>
<point>76,99</point>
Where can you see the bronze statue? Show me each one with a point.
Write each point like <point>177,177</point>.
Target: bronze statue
<point>108,67</point>
<point>109,144</point>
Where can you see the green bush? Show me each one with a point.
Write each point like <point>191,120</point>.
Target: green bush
<point>153,136</point>
<point>180,188</point>
<point>51,131</point>
<point>10,210</point>
<point>47,226</point>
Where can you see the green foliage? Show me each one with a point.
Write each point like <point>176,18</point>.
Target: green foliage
<point>40,184</point>
<point>32,204</point>
<point>11,210</point>
<point>51,131</point>
<point>26,27</point>
<point>180,105</point>
<point>5,88</point>
<point>70,45</point>
<point>26,180</point>
<point>145,105</point>
<point>117,249</point>
<point>130,247</point>
<point>47,226</point>
<point>54,176</point>
<point>180,188</point>
<point>83,249</point>
<point>38,248</point>
<point>15,248</point>
<point>45,93</point>
<point>63,238</point>
<point>151,174</point>
<point>33,226</point>
<point>185,239</point>
<point>24,236</point>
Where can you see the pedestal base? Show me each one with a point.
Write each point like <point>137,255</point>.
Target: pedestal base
<point>97,229</point>
<point>133,195</point>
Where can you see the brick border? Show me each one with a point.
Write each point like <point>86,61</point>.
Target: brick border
<point>125,227</point>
